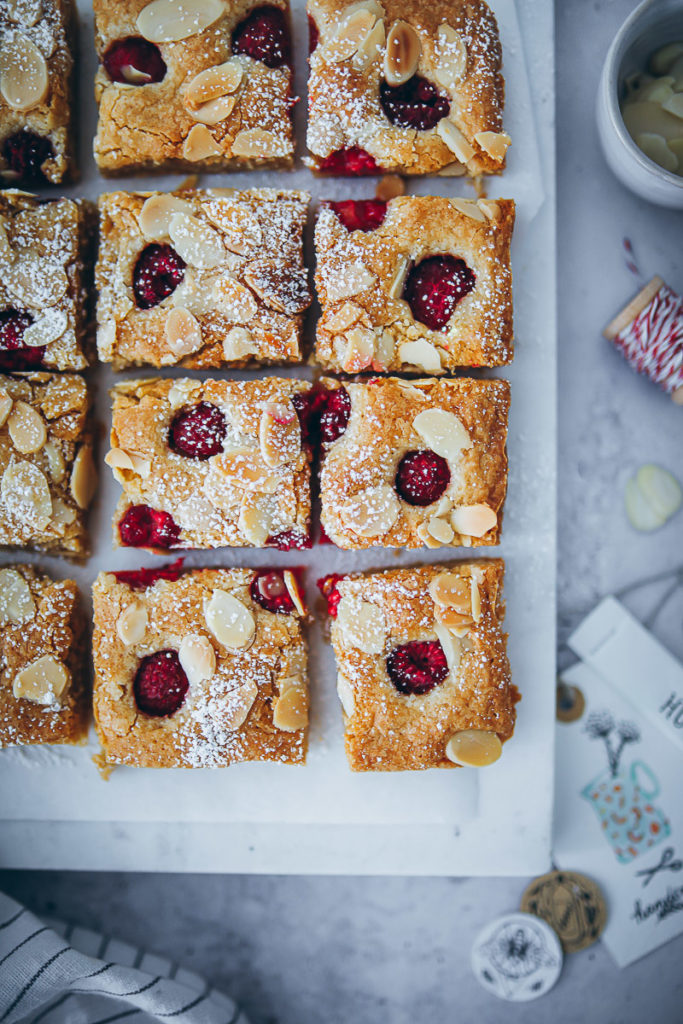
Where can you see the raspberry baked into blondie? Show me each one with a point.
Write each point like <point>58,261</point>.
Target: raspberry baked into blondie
<point>199,669</point>
<point>45,249</point>
<point>43,696</point>
<point>47,473</point>
<point>36,95</point>
<point>199,85</point>
<point>212,463</point>
<point>201,278</point>
<point>423,673</point>
<point>420,282</point>
<point>414,463</point>
<point>412,86</point>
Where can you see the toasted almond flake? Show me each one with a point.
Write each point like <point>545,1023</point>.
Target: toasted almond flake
<point>352,279</point>
<point>451,57</point>
<point>345,316</point>
<point>452,618</point>
<point>402,53</point>
<point>182,391</point>
<point>384,351</point>
<point>451,645</point>
<point>170,21</point>
<point>496,144</point>
<point>183,333</point>
<point>454,170</point>
<point>23,72</point>
<point>234,300</point>
<point>26,428</point>
<point>243,470</point>
<point>370,48</point>
<point>475,748</point>
<point>5,405</point>
<point>290,711</point>
<point>455,140</point>
<point>420,353</point>
<point>440,530</point>
<point>117,458</point>
<point>293,591</point>
<point>26,495</point>
<point>279,434</point>
<point>212,84</point>
<point>83,477</point>
<point>238,344</point>
<point>352,32</point>
<point>24,12</point>
<point>449,590</point>
<point>346,695</point>
<point>491,209</point>
<point>237,222</point>
<point>443,432</point>
<point>362,624</point>
<point>230,621</point>
<point>422,531</point>
<point>155,216</point>
<point>232,709</point>
<point>371,512</point>
<point>197,658</point>
<point>194,293</point>
<point>195,241</point>
<point>49,328</point>
<point>256,518</point>
<point>55,461</point>
<point>257,144</point>
<point>476,600</point>
<point>469,209</point>
<point>6,251</point>
<point>359,349</point>
<point>34,282</point>
<point>399,278</point>
<point>473,520</point>
<point>200,144</point>
<point>214,111</point>
<point>16,603</point>
<point>62,514</point>
<point>132,623</point>
<point>43,681</point>
<point>134,76</point>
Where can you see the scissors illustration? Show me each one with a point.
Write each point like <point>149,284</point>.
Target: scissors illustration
<point>666,863</point>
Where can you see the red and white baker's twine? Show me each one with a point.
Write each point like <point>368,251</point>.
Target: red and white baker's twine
<point>653,342</point>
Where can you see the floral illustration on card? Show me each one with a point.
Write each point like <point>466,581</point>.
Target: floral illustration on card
<point>623,796</point>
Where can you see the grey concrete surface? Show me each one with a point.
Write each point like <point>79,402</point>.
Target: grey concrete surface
<point>332,950</point>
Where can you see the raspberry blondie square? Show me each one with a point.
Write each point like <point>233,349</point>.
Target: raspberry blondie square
<point>36,91</point>
<point>43,696</point>
<point>201,278</point>
<point>199,669</point>
<point>202,85</point>
<point>45,251</point>
<point>214,463</point>
<point>414,463</point>
<point>405,85</point>
<point>423,673</point>
<point>420,282</point>
<point>47,473</point>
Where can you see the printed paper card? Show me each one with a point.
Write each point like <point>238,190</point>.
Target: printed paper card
<point>619,816</point>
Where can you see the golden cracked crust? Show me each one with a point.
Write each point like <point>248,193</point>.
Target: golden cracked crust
<point>236,498</point>
<point>359,469</point>
<point>147,127</point>
<point>386,730</point>
<point>260,234</point>
<point>44,493</point>
<point>52,625</point>
<point>344,104</point>
<point>225,719</point>
<point>360,277</point>
<point>51,27</point>
<point>44,272</point>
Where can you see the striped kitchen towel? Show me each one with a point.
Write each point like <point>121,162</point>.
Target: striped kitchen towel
<point>59,974</point>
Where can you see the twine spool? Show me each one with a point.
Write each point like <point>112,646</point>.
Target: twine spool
<point>649,334</point>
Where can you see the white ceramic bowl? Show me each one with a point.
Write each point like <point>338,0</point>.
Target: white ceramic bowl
<point>651,25</point>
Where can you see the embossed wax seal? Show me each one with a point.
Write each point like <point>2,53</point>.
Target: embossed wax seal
<point>572,904</point>
<point>517,957</point>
